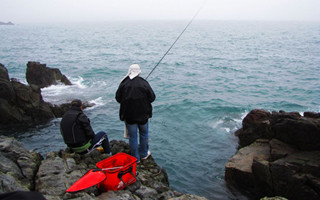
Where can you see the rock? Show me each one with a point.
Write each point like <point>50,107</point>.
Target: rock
<point>273,198</point>
<point>297,176</point>
<point>280,149</point>
<point>43,76</point>
<point>55,174</point>
<point>18,167</point>
<point>255,125</point>
<point>116,195</point>
<point>4,72</point>
<point>279,155</point>
<point>300,132</point>
<point>146,192</point>
<point>238,170</point>
<point>188,197</point>
<point>311,114</point>
<point>21,104</point>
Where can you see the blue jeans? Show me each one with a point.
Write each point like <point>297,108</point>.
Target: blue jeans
<point>105,143</point>
<point>142,149</point>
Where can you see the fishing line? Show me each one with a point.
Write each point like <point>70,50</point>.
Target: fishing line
<point>175,41</point>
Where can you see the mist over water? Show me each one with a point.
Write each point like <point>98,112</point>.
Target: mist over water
<point>215,74</point>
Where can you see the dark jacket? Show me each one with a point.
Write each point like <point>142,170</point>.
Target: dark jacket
<point>135,97</point>
<point>75,128</point>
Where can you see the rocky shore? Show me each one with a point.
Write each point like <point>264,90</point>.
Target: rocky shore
<point>279,152</point>
<point>279,155</point>
<point>23,170</point>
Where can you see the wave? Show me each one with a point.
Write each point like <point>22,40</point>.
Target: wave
<point>98,102</point>
<point>80,89</point>
<point>79,81</point>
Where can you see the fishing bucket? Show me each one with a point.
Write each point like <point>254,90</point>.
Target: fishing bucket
<point>113,173</point>
<point>121,174</point>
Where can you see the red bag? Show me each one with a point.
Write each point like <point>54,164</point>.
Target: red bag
<point>113,173</point>
<point>122,173</point>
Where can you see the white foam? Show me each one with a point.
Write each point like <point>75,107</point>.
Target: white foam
<point>79,82</point>
<point>216,123</point>
<point>227,129</point>
<point>61,93</point>
<point>97,103</point>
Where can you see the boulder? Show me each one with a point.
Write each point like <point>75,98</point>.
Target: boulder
<point>255,125</point>
<point>238,170</point>
<point>278,155</point>
<point>22,104</point>
<point>297,176</point>
<point>301,132</point>
<point>43,76</point>
<point>18,166</point>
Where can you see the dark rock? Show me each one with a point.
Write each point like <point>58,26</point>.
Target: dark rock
<point>23,105</point>
<point>255,125</point>
<point>280,149</point>
<point>311,114</point>
<point>43,76</point>
<point>287,163</point>
<point>4,72</point>
<point>301,132</point>
<point>297,175</point>
<point>238,170</point>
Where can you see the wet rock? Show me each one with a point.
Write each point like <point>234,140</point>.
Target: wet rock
<point>239,168</point>
<point>22,104</point>
<point>43,76</point>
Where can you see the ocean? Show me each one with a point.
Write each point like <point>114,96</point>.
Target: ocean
<point>214,75</point>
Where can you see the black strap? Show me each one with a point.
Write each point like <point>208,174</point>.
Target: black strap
<point>122,173</point>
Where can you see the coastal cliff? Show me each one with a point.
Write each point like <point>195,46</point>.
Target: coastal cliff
<point>279,155</point>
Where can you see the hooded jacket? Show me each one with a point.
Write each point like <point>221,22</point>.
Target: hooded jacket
<point>135,97</point>
<point>75,128</point>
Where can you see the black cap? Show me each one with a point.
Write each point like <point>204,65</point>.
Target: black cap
<point>76,102</point>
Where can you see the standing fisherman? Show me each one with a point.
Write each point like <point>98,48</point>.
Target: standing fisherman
<point>135,96</point>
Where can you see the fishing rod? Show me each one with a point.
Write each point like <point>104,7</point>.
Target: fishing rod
<point>175,41</point>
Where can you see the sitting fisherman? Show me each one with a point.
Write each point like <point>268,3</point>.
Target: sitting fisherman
<point>77,132</point>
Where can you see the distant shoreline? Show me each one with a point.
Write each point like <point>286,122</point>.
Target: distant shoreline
<point>9,23</point>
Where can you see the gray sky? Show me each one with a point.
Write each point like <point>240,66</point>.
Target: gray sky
<point>25,11</point>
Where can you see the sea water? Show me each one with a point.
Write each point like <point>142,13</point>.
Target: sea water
<point>214,75</point>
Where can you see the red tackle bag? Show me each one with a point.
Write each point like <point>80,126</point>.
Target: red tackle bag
<point>120,170</point>
<point>113,173</point>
